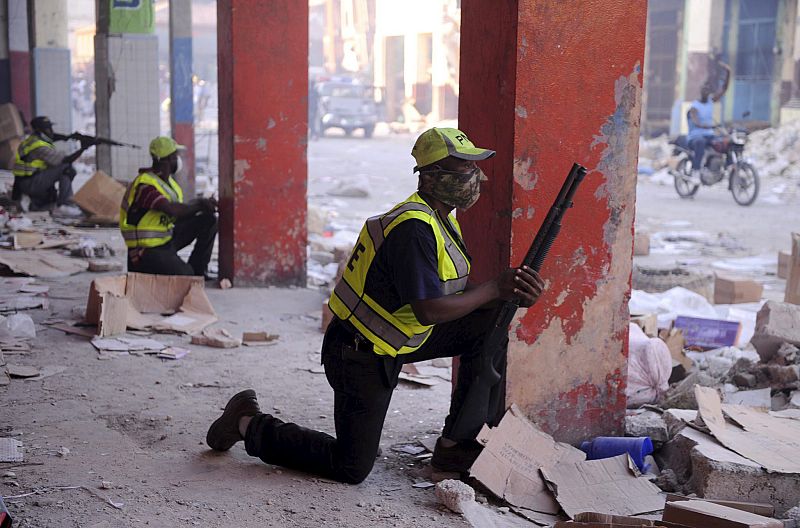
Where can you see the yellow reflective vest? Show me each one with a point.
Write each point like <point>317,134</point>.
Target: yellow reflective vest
<point>398,332</point>
<point>24,167</point>
<point>154,228</point>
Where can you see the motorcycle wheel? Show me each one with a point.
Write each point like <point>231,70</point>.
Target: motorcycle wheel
<point>744,184</point>
<point>682,185</point>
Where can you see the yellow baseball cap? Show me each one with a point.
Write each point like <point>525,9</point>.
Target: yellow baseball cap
<point>438,143</point>
<point>163,146</point>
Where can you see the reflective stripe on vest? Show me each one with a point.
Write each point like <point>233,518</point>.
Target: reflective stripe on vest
<point>155,227</point>
<point>399,332</point>
<point>23,167</point>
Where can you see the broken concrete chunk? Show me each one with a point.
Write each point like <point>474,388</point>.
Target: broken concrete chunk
<point>681,396</point>
<point>216,337</point>
<point>454,494</point>
<point>761,398</point>
<point>776,323</point>
<point>646,423</point>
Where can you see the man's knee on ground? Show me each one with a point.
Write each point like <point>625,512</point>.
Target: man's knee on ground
<point>356,473</point>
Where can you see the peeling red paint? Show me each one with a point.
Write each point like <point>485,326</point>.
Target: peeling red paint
<point>577,75</point>
<point>263,123</point>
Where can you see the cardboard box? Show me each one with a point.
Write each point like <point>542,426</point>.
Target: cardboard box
<point>701,514</point>
<point>8,153</point>
<point>10,122</point>
<point>784,257</point>
<point>793,277</point>
<point>102,197</point>
<point>729,289</point>
<point>140,301</point>
<point>641,244</point>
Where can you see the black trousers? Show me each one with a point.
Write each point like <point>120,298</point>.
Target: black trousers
<point>41,187</point>
<point>363,383</point>
<point>164,260</point>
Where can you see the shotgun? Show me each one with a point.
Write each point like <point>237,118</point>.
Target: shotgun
<point>476,409</point>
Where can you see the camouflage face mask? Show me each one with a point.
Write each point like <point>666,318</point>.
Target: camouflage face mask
<point>456,189</point>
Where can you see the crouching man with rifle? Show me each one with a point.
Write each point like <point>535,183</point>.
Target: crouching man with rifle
<point>403,298</point>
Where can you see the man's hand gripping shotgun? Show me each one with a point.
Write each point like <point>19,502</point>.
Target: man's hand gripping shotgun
<point>482,396</point>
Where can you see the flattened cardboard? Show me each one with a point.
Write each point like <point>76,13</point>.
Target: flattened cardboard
<point>676,342</point>
<point>729,289</point>
<point>38,263</point>
<point>140,301</point>
<point>10,122</point>
<point>774,443</point>
<point>610,485</point>
<point>101,196</point>
<point>514,452</point>
<point>701,514</point>
<point>648,323</point>
<point>792,294</point>
<point>759,508</point>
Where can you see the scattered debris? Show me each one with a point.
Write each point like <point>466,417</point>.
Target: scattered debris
<point>17,325</point>
<point>701,514</point>
<point>173,353</point>
<point>259,339</point>
<point>139,300</point>
<point>11,450</point>
<point>101,265</point>
<point>409,449</point>
<point>454,494</point>
<point>649,368</point>
<point>513,453</point>
<point>127,344</point>
<point>41,263</point>
<point>423,485</point>
<point>611,485</point>
<point>217,338</point>
<point>21,371</point>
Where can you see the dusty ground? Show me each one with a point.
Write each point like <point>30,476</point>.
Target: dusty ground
<point>139,423</point>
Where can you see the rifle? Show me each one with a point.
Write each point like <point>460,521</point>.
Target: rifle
<point>477,405</point>
<point>93,140</point>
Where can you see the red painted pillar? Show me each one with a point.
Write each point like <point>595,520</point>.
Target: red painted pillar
<point>263,89</point>
<point>546,83</point>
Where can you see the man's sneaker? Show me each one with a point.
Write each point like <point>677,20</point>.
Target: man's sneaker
<point>224,432</point>
<point>67,211</point>
<point>455,459</point>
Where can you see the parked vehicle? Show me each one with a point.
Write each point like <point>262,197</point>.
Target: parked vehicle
<point>723,159</point>
<point>347,104</point>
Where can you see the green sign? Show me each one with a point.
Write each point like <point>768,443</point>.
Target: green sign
<point>131,16</point>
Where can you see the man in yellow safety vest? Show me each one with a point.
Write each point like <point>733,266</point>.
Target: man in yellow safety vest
<point>156,224</point>
<point>42,175</point>
<point>403,298</point>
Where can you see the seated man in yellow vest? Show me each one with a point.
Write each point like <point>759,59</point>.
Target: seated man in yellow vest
<point>156,224</point>
<point>39,168</point>
<point>403,298</point>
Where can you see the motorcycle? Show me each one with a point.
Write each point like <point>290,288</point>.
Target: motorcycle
<point>723,158</point>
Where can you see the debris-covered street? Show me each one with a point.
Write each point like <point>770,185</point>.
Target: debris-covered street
<point>366,263</point>
<point>118,437</point>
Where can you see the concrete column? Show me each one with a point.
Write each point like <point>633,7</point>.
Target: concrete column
<point>263,85</point>
<point>570,92</point>
<point>52,73</point>
<point>126,89</point>
<point>5,68</point>
<point>19,57</point>
<point>182,107</point>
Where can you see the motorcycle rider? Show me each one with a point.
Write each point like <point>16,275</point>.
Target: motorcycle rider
<point>701,121</point>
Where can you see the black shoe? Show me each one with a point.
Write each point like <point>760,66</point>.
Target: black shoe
<point>455,459</point>
<point>224,432</point>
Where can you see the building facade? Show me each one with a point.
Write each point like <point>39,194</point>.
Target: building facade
<point>756,38</point>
